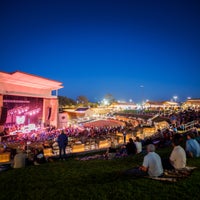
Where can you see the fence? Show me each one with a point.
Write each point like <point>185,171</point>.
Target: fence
<point>189,125</point>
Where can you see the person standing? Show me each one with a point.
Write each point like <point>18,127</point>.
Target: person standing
<point>62,143</point>
<point>124,135</point>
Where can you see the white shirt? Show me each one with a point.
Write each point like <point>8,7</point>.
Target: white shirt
<point>178,157</point>
<point>138,146</point>
<point>153,162</point>
<point>19,160</point>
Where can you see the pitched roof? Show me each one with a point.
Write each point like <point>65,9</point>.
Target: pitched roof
<point>29,80</point>
<point>155,102</point>
<point>193,101</point>
<point>161,103</point>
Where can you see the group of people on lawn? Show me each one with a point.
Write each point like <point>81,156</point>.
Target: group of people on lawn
<point>21,160</point>
<point>152,165</point>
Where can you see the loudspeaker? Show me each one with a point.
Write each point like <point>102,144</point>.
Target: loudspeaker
<point>49,113</point>
<point>3,116</point>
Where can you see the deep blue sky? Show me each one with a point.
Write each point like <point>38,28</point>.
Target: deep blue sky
<point>101,46</point>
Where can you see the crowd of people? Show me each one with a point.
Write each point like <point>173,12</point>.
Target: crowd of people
<point>153,165</point>
<point>185,145</point>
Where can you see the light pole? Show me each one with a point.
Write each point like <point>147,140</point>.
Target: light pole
<point>175,98</point>
<point>142,94</point>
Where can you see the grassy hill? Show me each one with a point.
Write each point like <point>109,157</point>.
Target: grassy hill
<point>94,179</point>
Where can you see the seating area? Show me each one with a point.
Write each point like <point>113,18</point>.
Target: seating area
<point>5,157</point>
<point>78,148</point>
<point>104,144</point>
<point>48,152</point>
<point>121,137</point>
<point>104,123</point>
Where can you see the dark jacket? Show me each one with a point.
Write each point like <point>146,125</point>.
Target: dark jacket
<point>62,140</point>
<point>131,147</point>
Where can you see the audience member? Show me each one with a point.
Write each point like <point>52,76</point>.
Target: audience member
<point>116,153</point>
<point>131,147</point>
<point>138,144</point>
<point>62,143</point>
<point>192,146</point>
<point>19,159</point>
<point>38,157</point>
<point>152,165</point>
<point>178,155</point>
<point>110,153</point>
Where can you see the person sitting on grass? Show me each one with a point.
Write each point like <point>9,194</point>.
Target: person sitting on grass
<point>20,159</point>
<point>192,146</point>
<point>38,157</point>
<point>138,144</point>
<point>115,153</point>
<point>178,155</point>
<point>177,159</point>
<point>152,165</point>
<point>121,152</point>
<point>131,147</point>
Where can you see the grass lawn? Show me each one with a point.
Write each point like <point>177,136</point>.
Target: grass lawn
<point>94,179</point>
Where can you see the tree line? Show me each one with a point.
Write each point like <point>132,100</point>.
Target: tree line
<point>82,101</point>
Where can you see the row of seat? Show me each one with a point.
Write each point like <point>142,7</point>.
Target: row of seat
<point>48,152</point>
<point>78,148</point>
<point>5,157</point>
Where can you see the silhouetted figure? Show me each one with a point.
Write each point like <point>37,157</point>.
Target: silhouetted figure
<point>62,143</point>
<point>131,147</point>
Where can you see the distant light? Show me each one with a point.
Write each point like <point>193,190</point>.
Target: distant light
<point>139,107</point>
<point>105,102</point>
<point>188,97</point>
<point>175,98</point>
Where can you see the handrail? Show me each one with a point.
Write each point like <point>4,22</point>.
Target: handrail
<point>189,125</point>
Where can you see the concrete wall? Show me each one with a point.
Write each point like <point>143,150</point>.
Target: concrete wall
<point>50,111</point>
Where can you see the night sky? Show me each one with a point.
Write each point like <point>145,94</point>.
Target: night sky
<point>144,49</point>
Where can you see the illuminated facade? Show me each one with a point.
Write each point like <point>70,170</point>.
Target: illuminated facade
<point>28,99</point>
<point>117,106</point>
<point>153,105</point>
<point>191,103</point>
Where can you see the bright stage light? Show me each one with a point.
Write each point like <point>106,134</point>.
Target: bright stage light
<point>20,119</point>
